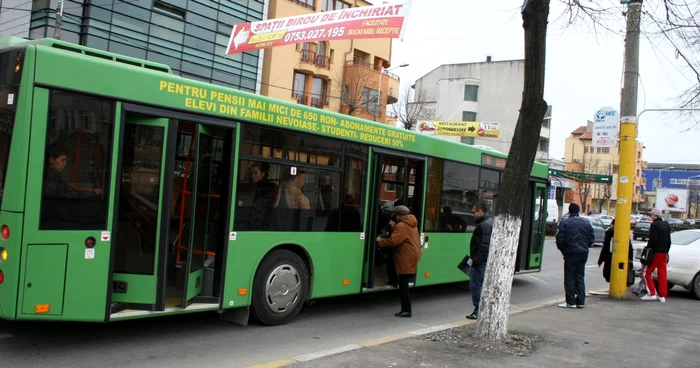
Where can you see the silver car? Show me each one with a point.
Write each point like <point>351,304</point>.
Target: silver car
<point>598,229</point>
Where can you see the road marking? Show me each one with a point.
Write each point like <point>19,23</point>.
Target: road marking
<point>325,353</point>
<point>591,266</point>
<point>386,339</point>
<point>537,279</point>
<point>428,330</point>
<point>6,336</point>
<point>275,364</point>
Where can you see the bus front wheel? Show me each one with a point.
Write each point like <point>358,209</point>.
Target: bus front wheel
<point>280,288</point>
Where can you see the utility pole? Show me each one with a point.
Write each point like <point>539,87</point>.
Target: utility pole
<point>628,147</point>
<point>59,20</point>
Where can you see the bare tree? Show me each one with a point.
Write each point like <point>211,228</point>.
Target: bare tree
<point>495,298</point>
<point>412,107</point>
<point>677,23</point>
<point>350,86</point>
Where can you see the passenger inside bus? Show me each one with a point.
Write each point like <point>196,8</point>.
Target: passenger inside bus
<point>65,207</point>
<point>54,186</point>
<point>265,197</point>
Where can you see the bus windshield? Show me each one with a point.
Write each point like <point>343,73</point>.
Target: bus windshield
<point>10,75</point>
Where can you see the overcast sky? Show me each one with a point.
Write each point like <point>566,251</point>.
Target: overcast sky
<point>584,69</point>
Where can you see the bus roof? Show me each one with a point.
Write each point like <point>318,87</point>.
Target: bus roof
<point>157,86</point>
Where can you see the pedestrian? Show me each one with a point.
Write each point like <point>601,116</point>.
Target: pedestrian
<point>479,253</point>
<point>660,243</point>
<point>605,257</point>
<point>574,238</point>
<point>406,252</point>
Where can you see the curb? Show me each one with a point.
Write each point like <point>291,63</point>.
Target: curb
<point>391,338</point>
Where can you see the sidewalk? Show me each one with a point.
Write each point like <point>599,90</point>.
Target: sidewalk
<point>607,333</point>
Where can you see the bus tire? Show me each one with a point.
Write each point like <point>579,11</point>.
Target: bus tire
<point>280,288</point>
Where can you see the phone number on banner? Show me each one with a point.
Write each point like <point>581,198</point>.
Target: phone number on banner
<point>314,34</point>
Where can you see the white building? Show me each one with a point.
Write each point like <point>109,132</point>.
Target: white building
<point>486,91</point>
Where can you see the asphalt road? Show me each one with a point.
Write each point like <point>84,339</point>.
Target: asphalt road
<point>204,340</point>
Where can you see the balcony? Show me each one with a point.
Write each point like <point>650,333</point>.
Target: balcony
<point>304,4</point>
<point>368,75</point>
<point>301,98</point>
<point>314,63</point>
<point>318,101</point>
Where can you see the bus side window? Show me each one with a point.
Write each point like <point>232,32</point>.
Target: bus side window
<point>76,164</point>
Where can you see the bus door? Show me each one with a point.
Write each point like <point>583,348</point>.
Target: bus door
<point>529,256</point>
<point>205,229</point>
<point>396,179</point>
<point>140,239</point>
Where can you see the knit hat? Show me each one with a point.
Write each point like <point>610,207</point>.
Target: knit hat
<point>401,211</point>
<point>656,211</point>
<point>574,208</point>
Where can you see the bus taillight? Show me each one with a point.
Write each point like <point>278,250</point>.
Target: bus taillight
<point>5,232</point>
<point>2,277</point>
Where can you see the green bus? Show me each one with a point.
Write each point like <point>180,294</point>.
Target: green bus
<point>129,192</point>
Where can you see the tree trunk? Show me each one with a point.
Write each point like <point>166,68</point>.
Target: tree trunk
<point>495,297</point>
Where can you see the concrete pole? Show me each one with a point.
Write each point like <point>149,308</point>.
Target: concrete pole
<point>628,147</point>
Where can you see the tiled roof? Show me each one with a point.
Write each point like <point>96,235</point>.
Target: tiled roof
<point>579,130</point>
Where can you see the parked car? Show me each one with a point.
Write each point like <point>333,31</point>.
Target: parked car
<point>674,222</point>
<point>598,229</point>
<point>683,267</point>
<point>641,230</point>
<point>606,220</point>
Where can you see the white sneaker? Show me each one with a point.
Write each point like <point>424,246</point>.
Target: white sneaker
<point>662,300</point>
<point>564,305</point>
<point>650,297</point>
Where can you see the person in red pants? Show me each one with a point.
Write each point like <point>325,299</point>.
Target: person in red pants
<point>660,243</point>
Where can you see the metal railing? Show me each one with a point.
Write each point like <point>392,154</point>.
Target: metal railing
<point>371,66</point>
<point>301,98</point>
<point>319,101</point>
<point>308,56</point>
<point>323,61</point>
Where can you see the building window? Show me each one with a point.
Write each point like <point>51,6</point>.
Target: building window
<point>370,99</point>
<point>308,4</point>
<point>299,88</point>
<point>471,92</point>
<point>319,92</point>
<point>585,149</point>
<point>544,145</point>
<point>606,149</point>
<point>545,122</point>
<point>75,190</point>
<point>328,5</point>
<point>468,116</point>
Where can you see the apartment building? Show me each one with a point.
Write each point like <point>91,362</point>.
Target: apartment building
<point>481,91</point>
<point>348,76</point>
<point>581,156</point>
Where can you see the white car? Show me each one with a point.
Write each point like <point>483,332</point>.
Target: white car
<point>683,268</point>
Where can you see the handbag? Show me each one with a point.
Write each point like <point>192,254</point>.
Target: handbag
<point>464,265</point>
<point>647,256</point>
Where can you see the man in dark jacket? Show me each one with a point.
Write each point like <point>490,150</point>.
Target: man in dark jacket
<point>479,253</point>
<point>660,243</point>
<point>574,237</point>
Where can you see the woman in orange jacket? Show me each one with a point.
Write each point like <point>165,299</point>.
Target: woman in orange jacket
<point>406,252</point>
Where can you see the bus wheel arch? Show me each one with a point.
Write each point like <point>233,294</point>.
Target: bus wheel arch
<point>281,285</point>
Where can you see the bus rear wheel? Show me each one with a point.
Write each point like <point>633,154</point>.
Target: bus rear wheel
<point>280,288</point>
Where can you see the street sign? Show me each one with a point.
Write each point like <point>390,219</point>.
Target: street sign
<point>579,176</point>
<point>605,125</point>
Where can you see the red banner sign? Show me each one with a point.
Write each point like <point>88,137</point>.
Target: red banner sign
<point>377,21</point>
